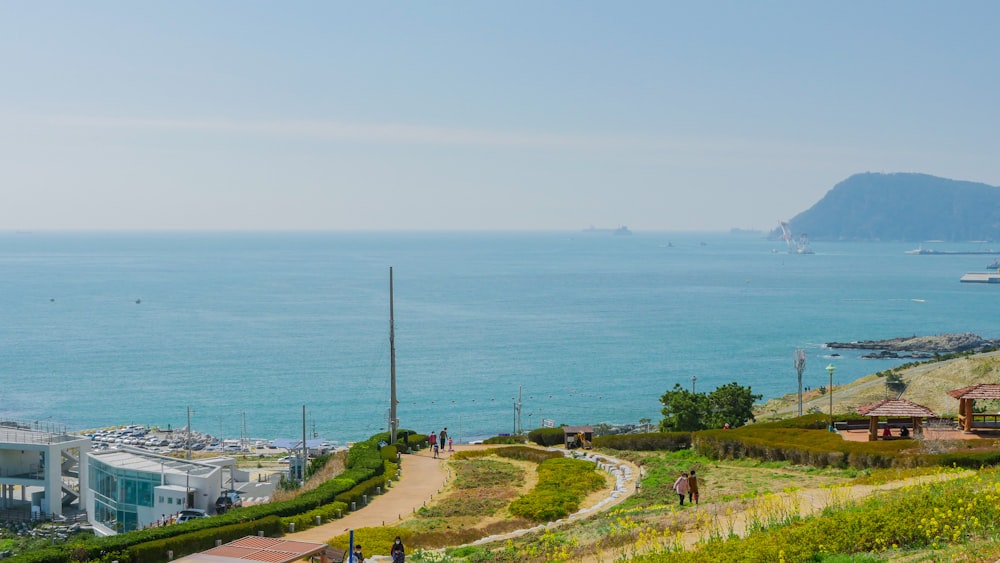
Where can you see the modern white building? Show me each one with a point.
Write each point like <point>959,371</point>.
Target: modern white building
<point>41,469</point>
<point>130,489</point>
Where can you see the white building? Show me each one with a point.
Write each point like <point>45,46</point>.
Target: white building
<point>40,469</point>
<point>131,489</point>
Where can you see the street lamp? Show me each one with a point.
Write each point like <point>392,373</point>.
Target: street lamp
<point>830,369</point>
<point>693,379</point>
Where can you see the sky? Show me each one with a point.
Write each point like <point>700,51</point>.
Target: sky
<point>551,115</point>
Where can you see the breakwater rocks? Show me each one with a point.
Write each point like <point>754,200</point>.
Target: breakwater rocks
<point>921,346</point>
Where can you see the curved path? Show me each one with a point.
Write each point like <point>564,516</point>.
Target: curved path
<point>423,478</point>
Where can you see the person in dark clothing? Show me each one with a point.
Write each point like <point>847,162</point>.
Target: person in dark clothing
<point>692,487</point>
<point>397,551</point>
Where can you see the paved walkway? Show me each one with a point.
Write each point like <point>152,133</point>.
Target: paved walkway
<point>422,477</point>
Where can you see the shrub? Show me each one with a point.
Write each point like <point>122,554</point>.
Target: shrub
<point>653,441</point>
<point>547,436</point>
<point>504,440</point>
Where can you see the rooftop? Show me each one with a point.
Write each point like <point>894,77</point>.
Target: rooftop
<point>138,460</point>
<point>254,548</point>
<point>34,432</point>
<point>896,407</point>
<point>980,391</point>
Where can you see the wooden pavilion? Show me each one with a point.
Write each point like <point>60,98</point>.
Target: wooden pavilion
<point>967,420</point>
<point>894,408</point>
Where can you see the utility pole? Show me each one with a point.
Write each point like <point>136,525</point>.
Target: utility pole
<point>393,423</point>
<point>187,439</point>
<point>800,366</point>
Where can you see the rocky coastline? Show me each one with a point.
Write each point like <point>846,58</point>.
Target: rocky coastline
<point>920,347</point>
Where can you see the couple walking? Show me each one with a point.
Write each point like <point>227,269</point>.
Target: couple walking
<point>687,485</point>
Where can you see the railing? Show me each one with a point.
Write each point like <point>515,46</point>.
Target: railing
<point>981,420</point>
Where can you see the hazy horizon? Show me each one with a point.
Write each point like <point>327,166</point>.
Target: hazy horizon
<point>450,116</point>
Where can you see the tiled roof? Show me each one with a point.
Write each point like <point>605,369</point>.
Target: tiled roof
<point>895,407</point>
<point>980,391</point>
<point>271,550</point>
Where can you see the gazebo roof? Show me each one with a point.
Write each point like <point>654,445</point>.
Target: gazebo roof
<point>895,407</point>
<point>980,391</point>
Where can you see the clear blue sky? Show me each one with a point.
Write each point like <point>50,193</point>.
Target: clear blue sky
<point>474,115</point>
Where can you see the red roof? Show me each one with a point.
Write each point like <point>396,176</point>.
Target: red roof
<point>980,391</point>
<point>255,548</point>
<point>896,407</point>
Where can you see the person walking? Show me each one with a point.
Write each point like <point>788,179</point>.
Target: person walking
<point>432,438</point>
<point>681,487</point>
<point>450,448</point>
<point>397,551</point>
<point>443,438</point>
<point>692,488</point>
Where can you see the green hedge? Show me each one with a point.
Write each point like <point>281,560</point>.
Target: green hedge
<point>653,441</point>
<point>547,436</point>
<point>500,440</point>
<point>156,551</point>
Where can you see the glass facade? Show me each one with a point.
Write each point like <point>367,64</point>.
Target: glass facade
<point>118,493</point>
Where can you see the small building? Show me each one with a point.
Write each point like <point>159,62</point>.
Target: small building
<point>578,436</point>
<point>132,489</point>
<point>894,408</point>
<point>40,469</point>
<point>968,420</point>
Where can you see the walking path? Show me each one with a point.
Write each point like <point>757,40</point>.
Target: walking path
<point>423,478</point>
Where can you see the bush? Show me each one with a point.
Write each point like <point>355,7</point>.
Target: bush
<point>504,440</point>
<point>653,441</point>
<point>547,436</point>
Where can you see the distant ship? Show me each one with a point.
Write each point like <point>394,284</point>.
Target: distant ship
<point>622,230</point>
<point>994,266</point>
<point>930,251</point>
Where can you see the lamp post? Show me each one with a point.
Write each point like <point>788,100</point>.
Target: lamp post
<point>830,368</point>
<point>693,379</point>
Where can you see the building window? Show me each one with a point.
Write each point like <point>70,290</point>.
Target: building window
<point>170,500</point>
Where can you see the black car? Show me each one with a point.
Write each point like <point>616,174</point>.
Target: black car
<point>227,500</point>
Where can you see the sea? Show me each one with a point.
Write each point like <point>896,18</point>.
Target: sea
<point>269,335</point>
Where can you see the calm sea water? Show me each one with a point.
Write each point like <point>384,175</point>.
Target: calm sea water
<point>102,329</point>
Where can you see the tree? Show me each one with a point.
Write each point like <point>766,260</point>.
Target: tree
<point>683,411</point>
<point>731,403</point>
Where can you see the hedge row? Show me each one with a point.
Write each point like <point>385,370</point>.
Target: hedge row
<point>806,440</point>
<point>547,436</point>
<point>653,441</point>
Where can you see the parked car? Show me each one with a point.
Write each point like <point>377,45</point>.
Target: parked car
<point>228,500</point>
<point>191,514</point>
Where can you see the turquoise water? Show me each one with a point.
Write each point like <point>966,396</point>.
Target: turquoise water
<point>593,327</point>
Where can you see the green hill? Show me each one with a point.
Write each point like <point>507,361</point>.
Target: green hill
<point>926,384</point>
